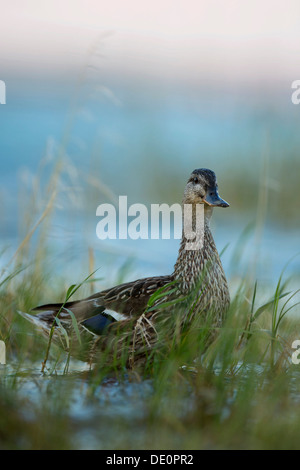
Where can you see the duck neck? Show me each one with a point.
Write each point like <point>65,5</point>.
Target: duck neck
<point>193,257</point>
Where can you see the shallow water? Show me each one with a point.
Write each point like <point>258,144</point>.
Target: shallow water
<point>96,418</point>
<point>116,414</point>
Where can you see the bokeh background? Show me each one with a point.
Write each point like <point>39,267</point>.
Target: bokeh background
<point>127,98</point>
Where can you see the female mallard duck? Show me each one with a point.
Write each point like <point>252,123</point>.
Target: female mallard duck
<point>120,316</point>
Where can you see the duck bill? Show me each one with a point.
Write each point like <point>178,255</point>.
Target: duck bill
<point>212,198</point>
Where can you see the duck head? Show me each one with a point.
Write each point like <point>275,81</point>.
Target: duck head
<point>202,188</point>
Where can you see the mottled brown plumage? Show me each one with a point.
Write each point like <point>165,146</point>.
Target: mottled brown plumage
<point>119,316</point>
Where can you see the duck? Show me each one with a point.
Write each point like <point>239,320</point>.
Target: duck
<point>124,318</point>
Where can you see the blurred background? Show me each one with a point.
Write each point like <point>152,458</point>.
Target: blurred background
<point>127,98</point>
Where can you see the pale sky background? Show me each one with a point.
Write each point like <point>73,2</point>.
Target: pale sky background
<point>231,40</point>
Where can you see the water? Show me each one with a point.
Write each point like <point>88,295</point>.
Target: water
<point>123,414</point>
<point>185,128</point>
<point>97,418</point>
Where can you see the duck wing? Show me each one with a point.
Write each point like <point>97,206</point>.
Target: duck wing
<point>117,303</point>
